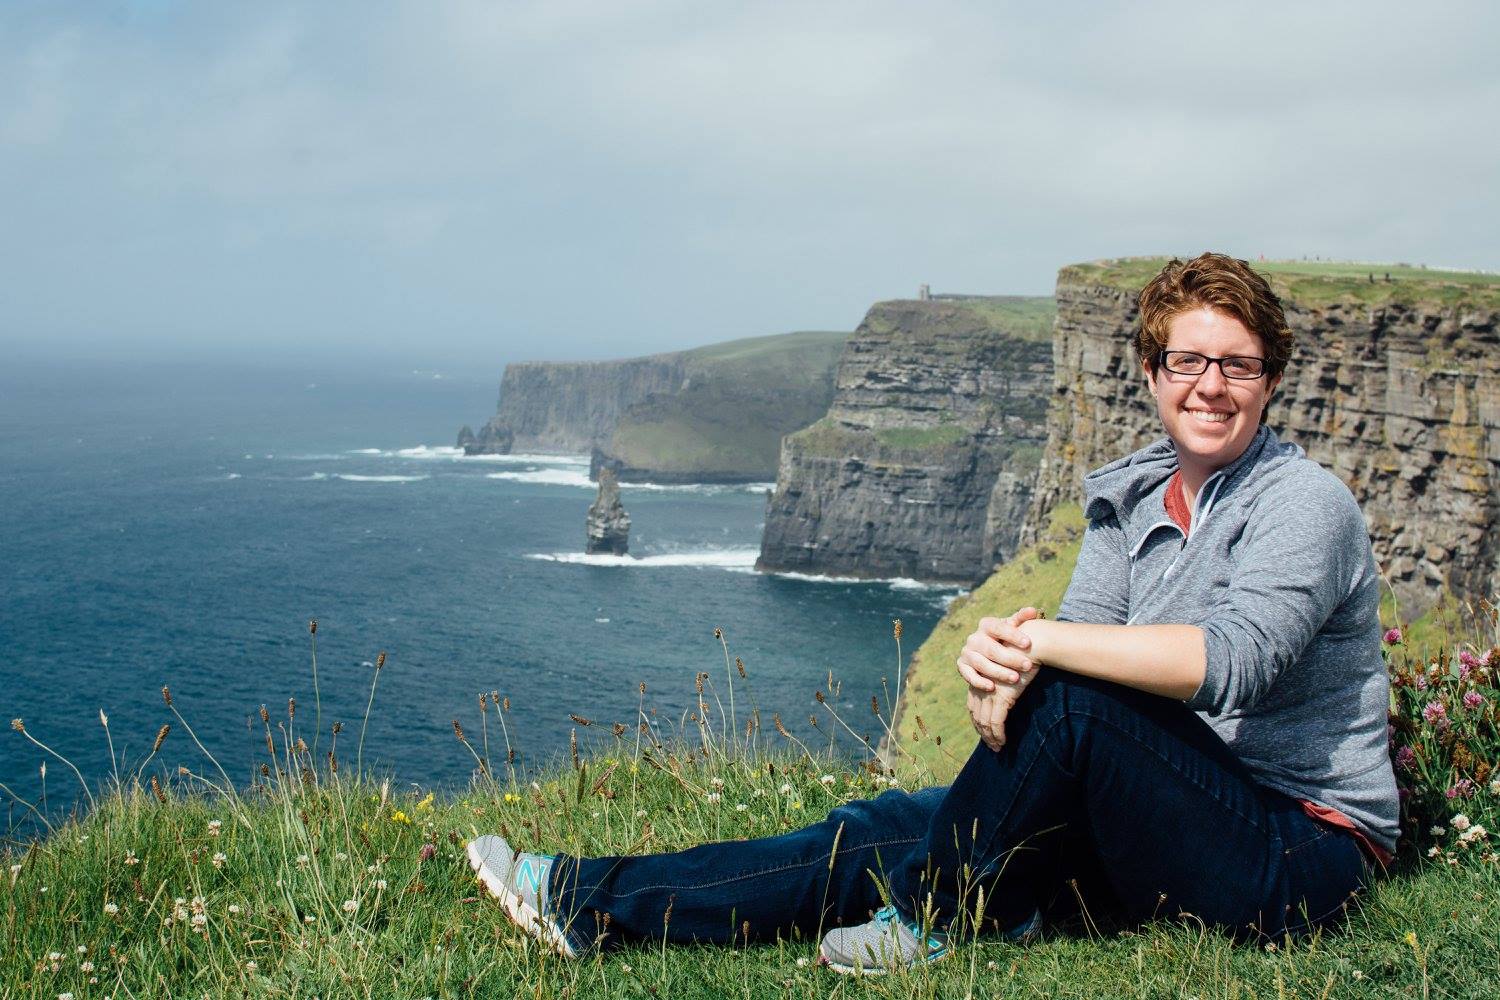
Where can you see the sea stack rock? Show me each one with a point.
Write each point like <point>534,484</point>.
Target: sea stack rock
<point>608,524</point>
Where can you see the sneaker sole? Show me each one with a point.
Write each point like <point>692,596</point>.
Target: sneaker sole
<point>522,912</point>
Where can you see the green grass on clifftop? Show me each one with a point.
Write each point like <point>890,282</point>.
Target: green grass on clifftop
<point>741,397</point>
<point>1320,283</point>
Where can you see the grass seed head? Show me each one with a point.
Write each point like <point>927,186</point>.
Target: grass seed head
<point>265,716</point>
<point>380,660</point>
<point>161,737</point>
<point>18,725</point>
<point>161,796</point>
<point>166,695</point>
<point>896,628</point>
<point>739,665</point>
<point>312,626</point>
<point>458,730</point>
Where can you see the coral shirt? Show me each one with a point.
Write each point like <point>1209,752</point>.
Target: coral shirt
<point>1181,514</point>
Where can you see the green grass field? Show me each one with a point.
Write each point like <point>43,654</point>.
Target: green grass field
<point>314,881</point>
<point>1319,283</point>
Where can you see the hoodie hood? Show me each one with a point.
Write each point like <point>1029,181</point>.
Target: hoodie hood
<point>1120,487</point>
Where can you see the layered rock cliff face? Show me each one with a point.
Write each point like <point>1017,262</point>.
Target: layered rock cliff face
<point>1395,386</point>
<point>713,414</point>
<point>571,407</point>
<point>923,466</point>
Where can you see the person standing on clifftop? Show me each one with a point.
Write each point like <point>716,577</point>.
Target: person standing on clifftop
<point>1202,730</point>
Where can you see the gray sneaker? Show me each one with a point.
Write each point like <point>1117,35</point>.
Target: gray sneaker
<point>890,942</point>
<point>519,882</point>
<point>886,943</point>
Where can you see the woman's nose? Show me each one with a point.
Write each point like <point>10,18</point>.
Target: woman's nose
<point>1212,382</point>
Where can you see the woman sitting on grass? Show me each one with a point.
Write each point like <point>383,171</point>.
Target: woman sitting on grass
<point>1203,728</point>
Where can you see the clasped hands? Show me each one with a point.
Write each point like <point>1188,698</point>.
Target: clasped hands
<point>997,665</point>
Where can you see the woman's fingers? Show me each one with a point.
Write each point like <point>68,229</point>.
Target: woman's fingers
<point>1004,632</point>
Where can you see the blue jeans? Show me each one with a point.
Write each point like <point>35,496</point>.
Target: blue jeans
<point>1130,793</point>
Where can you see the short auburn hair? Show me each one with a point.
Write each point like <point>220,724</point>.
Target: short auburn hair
<point>1221,283</point>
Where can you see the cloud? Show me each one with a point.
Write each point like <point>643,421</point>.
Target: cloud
<point>583,179</point>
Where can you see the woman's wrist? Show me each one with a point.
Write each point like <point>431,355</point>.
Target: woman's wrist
<point>1037,631</point>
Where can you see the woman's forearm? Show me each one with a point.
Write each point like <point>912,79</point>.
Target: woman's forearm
<point>1167,660</point>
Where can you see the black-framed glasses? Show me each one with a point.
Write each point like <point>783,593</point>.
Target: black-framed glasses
<point>1193,363</point>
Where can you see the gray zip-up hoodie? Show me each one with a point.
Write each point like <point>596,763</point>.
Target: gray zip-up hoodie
<point>1279,575</point>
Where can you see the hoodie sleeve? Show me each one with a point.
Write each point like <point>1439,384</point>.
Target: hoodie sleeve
<point>1302,555</point>
<point>1099,591</point>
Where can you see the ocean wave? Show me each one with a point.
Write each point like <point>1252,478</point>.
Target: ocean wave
<point>895,582</point>
<point>448,453</point>
<point>579,477</point>
<point>350,477</point>
<point>233,475</point>
<point>710,489</point>
<point>547,477</point>
<point>733,559</point>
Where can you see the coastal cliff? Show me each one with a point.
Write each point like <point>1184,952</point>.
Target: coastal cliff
<point>1394,386</point>
<point>923,465</point>
<point>712,414</point>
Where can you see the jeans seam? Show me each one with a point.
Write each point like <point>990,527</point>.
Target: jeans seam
<point>741,876</point>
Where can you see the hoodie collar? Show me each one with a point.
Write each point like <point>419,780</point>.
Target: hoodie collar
<point>1119,487</point>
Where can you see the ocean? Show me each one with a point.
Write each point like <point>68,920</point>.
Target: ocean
<point>181,524</point>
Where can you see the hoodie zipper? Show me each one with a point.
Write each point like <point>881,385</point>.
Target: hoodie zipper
<point>1202,507</point>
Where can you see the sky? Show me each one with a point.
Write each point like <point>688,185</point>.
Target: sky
<point>456,183</point>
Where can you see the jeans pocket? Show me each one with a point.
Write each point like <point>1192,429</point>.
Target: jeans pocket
<point>1325,872</point>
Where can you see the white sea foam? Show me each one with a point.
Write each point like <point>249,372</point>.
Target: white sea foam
<point>377,479</point>
<point>710,489</point>
<point>895,583</point>
<point>731,559</point>
<point>547,477</point>
<point>315,477</point>
<point>233,475</point>
<point>448,453</point>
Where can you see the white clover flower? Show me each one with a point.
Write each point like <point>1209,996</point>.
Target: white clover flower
<point>179,913</point>
<point>54,956</point>
<point>1438,831</point>
<point>219,859</point>
<point>714,797</point>
<point>341,856</point>
<point>1434,851</point>
<point>234,909</point>
<point>250,966</point>
<point>309,919</point>
<point>85,966</point>
<point>1479,831</point>
<point>351,906</point>
<point>303,860</point>
<point>65,996</point>
<point>625,968</point>
<point>785,789</point>
<point>802,962</point>
<point>757,793</point>
<point>827,779</point>
<point>111,909</point>
<point>1460,822</point>
<point>717,782</point>
<point>131,859</point>
<point>640,814</point>
<point>15,870</point>
<point>741,807</point>
<point>82,949</point>
<point>1465,837</point>
<point>1495,787</point>
<point>380,884</point>
<point>214,826</point>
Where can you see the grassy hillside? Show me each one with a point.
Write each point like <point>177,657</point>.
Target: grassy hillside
<point>1317,283</point>
<point>741,397</point>
<point>934,723</point>
<point>317,882</point>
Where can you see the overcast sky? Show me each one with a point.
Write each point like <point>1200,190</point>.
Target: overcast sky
<point>443,182</point>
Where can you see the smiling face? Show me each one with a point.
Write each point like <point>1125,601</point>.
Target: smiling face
<point>1210,418</point>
